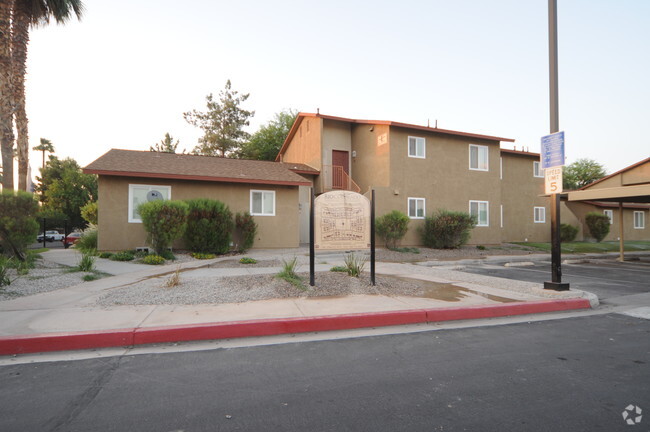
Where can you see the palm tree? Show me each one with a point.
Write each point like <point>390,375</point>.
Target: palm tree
<point>6,104</point>
<point>26,14</point>
<point>45,146</point>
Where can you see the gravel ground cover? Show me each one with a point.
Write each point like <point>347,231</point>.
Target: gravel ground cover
<point>47,276</point>
<point>257,287</point>
<point>464,252</point>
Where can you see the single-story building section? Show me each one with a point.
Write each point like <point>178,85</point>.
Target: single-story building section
<point>268,190</point>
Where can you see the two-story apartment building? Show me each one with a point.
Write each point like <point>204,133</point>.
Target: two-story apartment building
<point>418,169</point>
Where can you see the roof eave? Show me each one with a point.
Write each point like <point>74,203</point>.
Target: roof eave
<point>196,178</point>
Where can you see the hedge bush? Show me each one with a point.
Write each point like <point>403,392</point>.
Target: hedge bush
<point>164,221</point>
<point>447,229</point>
<point>392,227</point>
<point>246,230</point>
<point>568,232</point>
<point>122,256</point>
<point>209,226</point>
<point>598,225</point>
<point>18,225</point>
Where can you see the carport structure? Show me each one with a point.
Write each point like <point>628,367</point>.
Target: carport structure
<point>630,185</point>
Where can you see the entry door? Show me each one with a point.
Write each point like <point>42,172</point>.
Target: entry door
<point>340,165</point>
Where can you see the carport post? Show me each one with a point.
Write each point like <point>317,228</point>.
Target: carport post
<point>621,239</point>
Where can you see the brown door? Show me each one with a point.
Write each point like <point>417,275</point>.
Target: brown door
<point>340,169</point>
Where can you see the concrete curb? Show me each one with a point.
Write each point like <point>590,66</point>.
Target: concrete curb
<point>48,342</point>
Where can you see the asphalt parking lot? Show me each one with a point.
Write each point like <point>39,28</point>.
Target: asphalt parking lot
<point>605,277</point>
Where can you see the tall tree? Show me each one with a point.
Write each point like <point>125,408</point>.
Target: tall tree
<point>582,172</point>
<point>64,188</point>
<point>222,123</point>
<point>45,146</point>
<point>267,141</point>
<point>6,97</point>
<point>166,145</point>
<point>26,14</point>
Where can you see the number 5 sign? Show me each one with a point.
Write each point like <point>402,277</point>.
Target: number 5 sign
<point>553,180</point>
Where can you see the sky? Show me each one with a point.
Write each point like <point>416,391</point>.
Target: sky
<point>123,76</point>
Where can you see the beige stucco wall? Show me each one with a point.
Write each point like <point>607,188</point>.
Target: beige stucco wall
<point>371,165</point>
<point>577,211</point>
<point>443,178</point>
<point>116,233</point>
<point>520,193</point>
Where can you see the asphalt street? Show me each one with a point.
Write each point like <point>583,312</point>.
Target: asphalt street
<point>607,278</point>
<point>574,374</point>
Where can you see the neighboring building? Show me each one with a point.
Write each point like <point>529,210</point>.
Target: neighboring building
<point>268,190</point>
<point>625,192</point>
<point>419,169</point>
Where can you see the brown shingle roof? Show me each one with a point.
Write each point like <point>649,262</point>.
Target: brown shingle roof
<point>132,163</point>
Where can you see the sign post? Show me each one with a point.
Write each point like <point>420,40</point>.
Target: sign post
<point>553,154</point>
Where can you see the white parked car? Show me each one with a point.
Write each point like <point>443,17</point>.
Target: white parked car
<point>50,236</point>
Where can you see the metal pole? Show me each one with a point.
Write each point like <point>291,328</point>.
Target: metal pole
<point>372,239</point>
<point>556,253</point>
<point>621,233</point>
<point>312,276</point>
<point>552,62</point>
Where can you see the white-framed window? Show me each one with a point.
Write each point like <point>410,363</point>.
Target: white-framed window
<point>481,211</point>
<point>537,169</point>
<point>416,147</point>
<point>416,208</point>
<point>139,194</point>
<point>610,215</point>
<point>539,214</point>
<point>478,157</point>
<point>639,220</point>
<point>262,203</point>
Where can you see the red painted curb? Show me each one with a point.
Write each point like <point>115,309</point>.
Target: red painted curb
<point>267,327</point>
<point>65,341</point>
<point>227,330</point>
<point>505,309</point>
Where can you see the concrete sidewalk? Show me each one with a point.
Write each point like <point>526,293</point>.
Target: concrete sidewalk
<point>69,318</point>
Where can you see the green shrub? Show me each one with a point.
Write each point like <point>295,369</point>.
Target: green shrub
<point>86,263</point>
<point>246,230</point>
<point>598,225</point>
<point>106,254</point>
<point>18,225</point>
<point>201,256</point>
<point>168,255</point>
<point>480,247</point>
<point>354,264</point>
<point>164,221</point>
<point>406,250</point>
<point>392,227</point>
<point>90,277</point>
<point>568,232</point>
<point>89,212</point>
<point>123,256</point>
<point>447,229</point>
<point>248,260</point>
<point>209,226</point>
<point>87,243</point>
<point>339,269</point>
<point>289,274</point>
<point>153,260</point>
